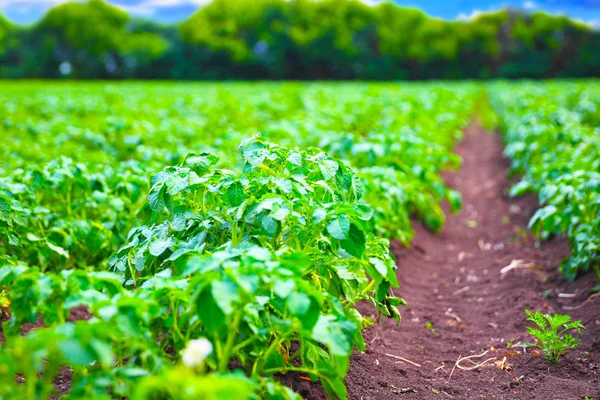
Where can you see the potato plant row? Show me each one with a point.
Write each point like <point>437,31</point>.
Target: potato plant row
<point>201,240</point>
<point>552,134</point>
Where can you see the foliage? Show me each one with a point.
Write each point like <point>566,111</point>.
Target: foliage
<point>5,27</point>
<point>93,38</point>
<point>61,216</point>
<point>551,135</point>
<point>287,201</point>
<point>298,39</point>
<point>380,130</point>
<point>255,307</point>
<point>551,336</point>
<point>113,266</point>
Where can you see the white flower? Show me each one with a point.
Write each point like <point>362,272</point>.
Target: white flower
<point>196,351</point>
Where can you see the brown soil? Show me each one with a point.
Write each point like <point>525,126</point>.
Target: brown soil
<point>453,282</point>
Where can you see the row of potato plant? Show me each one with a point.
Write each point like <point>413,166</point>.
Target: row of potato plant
<point>267,265</point>
<point>398,136</point>
<point>204,280</point>
<point>552,138</point>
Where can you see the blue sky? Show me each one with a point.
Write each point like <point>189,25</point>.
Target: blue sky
<point>27,11</point>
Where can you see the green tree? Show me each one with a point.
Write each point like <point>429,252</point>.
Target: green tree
<point>5,28</point>
<point>93,37</point>
<point>297,39</point>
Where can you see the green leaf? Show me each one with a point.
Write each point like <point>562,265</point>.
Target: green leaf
<point>284,184</point>
<point>295,158</point>
<point>208,311</point>
<point>132,372</point>
<point>519,189</point>
<point>339,227</point>
<point>280,211</point>
<point>330,332</point>
<point>75,352</point>
<point>201,161</point>
<point>455,200</point>
<point>225,294</point>
<point>380,267</point>
<point>33,238</point>
<point>284,288</point>
<point>159,246</point>
<point>57,249</point>
<point>305,308</point>
<point>269,224</point>
<point>235,194</point>
<point>103,351</point>
<point>177,223</point>
<point>155,198</point>
<point>335,388</point>
<point>176,184</point>
<point>356,243</point>
<point>328,169</point>
<point>255,154</point>
<point>542,214</point>
<point>319,215</point>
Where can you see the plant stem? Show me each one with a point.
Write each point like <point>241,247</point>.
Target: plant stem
<point>231,335</point>
<point>270,349</point>
<point>175,326</point>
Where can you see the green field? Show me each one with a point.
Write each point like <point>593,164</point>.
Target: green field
<point>253,216</point>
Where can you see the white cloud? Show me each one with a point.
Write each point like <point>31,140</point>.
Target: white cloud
<point>469,17</point>
<point>150,7</point>
<point>144,7</point>
<point>371,3</point>
<point>172,3</point>
<point>594,24</point>
<point>4,4</point>
<point>529,5</point>
<point>134,9</point>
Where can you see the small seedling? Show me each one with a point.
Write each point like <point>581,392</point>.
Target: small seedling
<point>429,327</point>
<point>552,338</point>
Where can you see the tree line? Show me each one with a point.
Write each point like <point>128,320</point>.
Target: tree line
<point>296,39</point>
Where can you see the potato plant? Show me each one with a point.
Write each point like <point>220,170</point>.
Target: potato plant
<point>133,224</point>
<point>552,141</point>
<point>288,201</point>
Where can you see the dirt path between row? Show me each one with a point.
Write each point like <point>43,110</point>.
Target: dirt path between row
<point>461,305</point>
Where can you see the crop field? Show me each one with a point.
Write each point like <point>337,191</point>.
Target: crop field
<point>290,240</point>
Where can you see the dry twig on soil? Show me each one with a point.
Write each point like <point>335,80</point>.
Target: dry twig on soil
<point>475,365</point>
<point>449,313</point>
<point>398,390</point>
<point>589,299</point>
<point>514,264</point>
<point>459,291</point>
<point>403,359</point>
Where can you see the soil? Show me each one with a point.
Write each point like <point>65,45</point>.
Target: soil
<point>461,305</point>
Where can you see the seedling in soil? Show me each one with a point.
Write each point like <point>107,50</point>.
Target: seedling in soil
<point>429,327</point>
<point>552,338</point>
